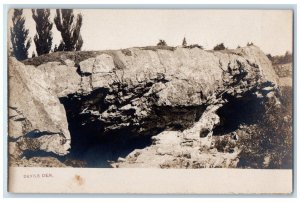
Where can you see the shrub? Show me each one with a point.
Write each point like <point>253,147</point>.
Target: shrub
<point>194,46</point>
<point>268,144</point>
<point>281,59</point>
<point>225,143</point>
<point>126,52</point>
<point>162,43</point>
<point>219,47</point>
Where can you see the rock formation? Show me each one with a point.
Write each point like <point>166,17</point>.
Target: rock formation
<point>174,96</point>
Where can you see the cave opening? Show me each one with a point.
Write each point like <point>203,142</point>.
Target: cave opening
<point>244,110</point>
<point>91,146</point>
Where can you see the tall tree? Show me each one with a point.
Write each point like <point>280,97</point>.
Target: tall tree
<point>69,28</point>
<point>19,36</point>
<point>43,37</point>
<point>184,44</point>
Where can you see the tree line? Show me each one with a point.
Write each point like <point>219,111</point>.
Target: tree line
<point>281,59</point>
<point>65,22</point>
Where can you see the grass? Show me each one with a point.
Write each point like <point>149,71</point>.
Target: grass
<point>76,56</point>
<point>156,48</point>
<point>61,57</point>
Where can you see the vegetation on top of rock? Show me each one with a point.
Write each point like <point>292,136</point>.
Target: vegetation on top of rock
<point>75,56</point>
<point>60,57</point>
<point>184,43</point>
<point>162,43</point>
<point>19,36</point>
<point>155,48</point>
<point>194,46</point>
<point>126,52</point>
<point>219,47</point>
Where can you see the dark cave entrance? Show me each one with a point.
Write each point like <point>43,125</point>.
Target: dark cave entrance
<point>95,146</point>
<point>97,149</point>
<point>90,144</point>
<point>243,110</point>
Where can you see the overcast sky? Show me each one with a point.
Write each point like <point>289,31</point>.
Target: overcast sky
<point>114,29</point>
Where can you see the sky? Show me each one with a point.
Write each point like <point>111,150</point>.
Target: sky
<point>103,29</point>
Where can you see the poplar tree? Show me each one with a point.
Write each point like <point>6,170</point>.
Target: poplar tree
<point>43,37</point>
<point>69,28</point>
<point>19,36</point>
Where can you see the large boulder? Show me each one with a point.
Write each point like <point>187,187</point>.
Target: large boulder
<point>143,91</point>
<point>37,120</point>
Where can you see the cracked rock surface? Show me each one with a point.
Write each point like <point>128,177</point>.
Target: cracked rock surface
<point>170,95</point>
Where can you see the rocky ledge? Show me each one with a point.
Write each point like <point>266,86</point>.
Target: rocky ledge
<point>182,101</point>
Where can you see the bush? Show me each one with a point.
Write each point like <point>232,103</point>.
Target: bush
<point>219,47</point>
<point>126,52</point>
<point>162,43</point>
<point>194,46</point>
<point>268,144</point>
<point>225,143</point>
<point>281,59</point>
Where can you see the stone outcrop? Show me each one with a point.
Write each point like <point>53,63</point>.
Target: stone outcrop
<point>172,95</point>
<point>37,120</point>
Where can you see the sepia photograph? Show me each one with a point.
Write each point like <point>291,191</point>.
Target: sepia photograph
<point>157,89</point>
